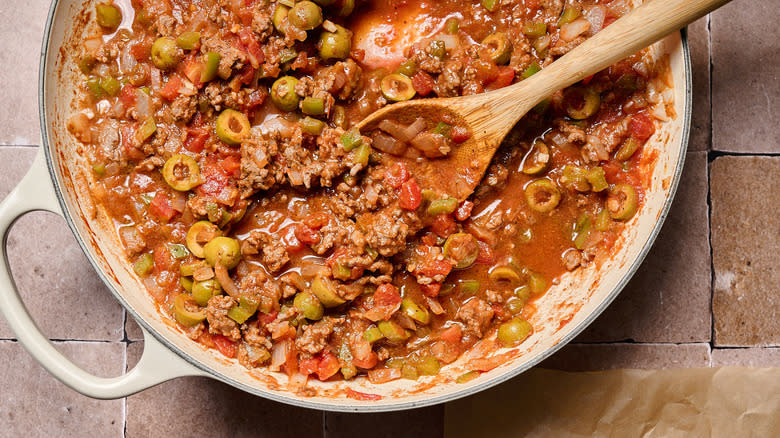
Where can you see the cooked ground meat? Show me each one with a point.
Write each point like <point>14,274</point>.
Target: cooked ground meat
<point>315,336</point>
<point>219,322</point>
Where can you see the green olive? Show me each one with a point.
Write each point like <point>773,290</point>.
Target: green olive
<point>542,195</point>
<point>203,291</point>
<point>232,126</point>
<point>280,16</point>
<point>397,87</point>
<point>199,234</point>
<point>283,93</point>
<point>392,331</point>
<point>324,289</point>
<point>508,274</point>
<point>462,248</point>
<point>108,16</point>
<point>305,15</point>
<point>181,172</point>
<point>335,45</point>
<point>514,331</point>
<point>499,46</point>
<point>183,315</point>
<point>347,6</point>
<point>537,159</point>
<point>309,305</point>
<point>414,311</point>
<point>622,202</point>
<point>581,102</point>
<point>165,53</point>
<point>223,250</point>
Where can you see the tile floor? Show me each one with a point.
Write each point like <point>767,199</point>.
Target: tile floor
<point>706,296</point>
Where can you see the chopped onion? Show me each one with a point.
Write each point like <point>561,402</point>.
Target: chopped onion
<point>278,124</point>
<point>388,144</point>
<point>279,354</point>
<point>127,61</point>
<point>570,31</point>
<point>221,272</point>
<point>431,144</point>
<point>450,41</point>
<point>641,68</point>
<point>383,375</point>
<point>143,105</point>
<point>179,202</point>
<point>435,306</point>
<point>595,15</point>
<point>154,78</point>
<point>297,381</point>
<point>414,129</point>
<point>395,129</point>
<point>295,177</point>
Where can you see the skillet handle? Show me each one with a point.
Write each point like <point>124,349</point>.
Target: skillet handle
<point>158,364</point>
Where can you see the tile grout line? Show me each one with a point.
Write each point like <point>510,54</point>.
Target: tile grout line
<point>710,158</point>
<point>124,366</point>
<point>324,424</point>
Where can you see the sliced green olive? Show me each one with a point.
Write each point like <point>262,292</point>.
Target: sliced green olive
<point>537,159</point>
<point>324,289</point>
<point>397,87</point>
<point>535,29</point>
<point>581,102</point>
<point>428,366</point>
<point>203,291</point>
<point>199,234</point>
<point>499,274</point>
<point>417,313</point>
<point>244,310</point>
<point>283,93</point>
<point>373,334</point>
<point>462,248</point>
<point>181,172</point>
<point>183,315</point>
<point>537,283</point>
<point>575,177</point>
<point>335,45</point>
<point>622,202</point>
<point>597,179</point>
<point>108,16</point>
<point>542,195</point>
<point>188,269</point>
<point>602,220</point>
<point>146,130</point>
<point>309,305</point>
<point>223,250</point>
<point>514,305</point>
<point>313,106</point>
<point>627,149</point>
<point>570,13</point>
<point>305,15</point>
<point>232,126</point>
<point>514,331</point>
<point>392,331</point>
<point>211,67</point>
<point>188,40</point>
<point>186,283</point>
<point>165,53</point>
<point>499,46</point>
<point>280,16</point>
<point>442,206</point>
<point>407,68</point>
<point>469,287</point>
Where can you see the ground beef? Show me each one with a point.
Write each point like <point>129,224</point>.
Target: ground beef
<point>183,108</point>
<point>272,252</point>
<point>561,47</point>
<point>449,81</point>
<point>230,57</point>
<point>315,336</point>
<point>476,314</point>
<point>571,259</point>
<point>166,25</point>
<point>573,133</point>
<point>219,322</point>
<point>261,23</point>
<point>387,230</point>
<point>257,172</point>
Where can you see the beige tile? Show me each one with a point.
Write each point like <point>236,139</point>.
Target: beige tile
<point>745,94</point>
<point>21,34</point>
<point>699,43</point>
<point>746,357</point>
<point>596,357</point>
<point>59,286</point>
<point>133,330</point>
<point>668,300</point>
<point>34,404</point>
<point>196,406</point>
<point>425,422</point>
<point>745,241</point>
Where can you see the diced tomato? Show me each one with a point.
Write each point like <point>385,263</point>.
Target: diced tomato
<point>291,365</point>
<point>225,345</point>
<point>255,99</point>
<point>214,180</point>
<point>128,141</point>
<point>411,195</point>
<point>504,77</point>
<point>459,134</point>
<point>246,75</point>
<point>431,290</point>
<point>231,165</point>
<point>141,50</point>
<point>171,90</point>
<point>451,334</point>
<point>423,83</point>
<point>498,310</point>
<point>464,210</point>
<point>267,318</point>
<point>443,225</point>
<point>192,69</point>
<point>308,366</point>
<point>306,235</point>
<point>329,365</point>
<point>396,175</point>
<point>248,39</point>
<point>641,126</point>
<point>486,71</point>
<point>317,220</point>
<point>486,254</point>
<point>433,268</point>
<point>196,138</point>
<point>428,239</point>
<point>290,241</point>
<point>362,396</point>
<point>163,259</point>
<point>127,95</point>
<point>367,362</point>
<point>161,208</point>
<point>587,80</point>
<point>332,260</point>
<point>386,295</point>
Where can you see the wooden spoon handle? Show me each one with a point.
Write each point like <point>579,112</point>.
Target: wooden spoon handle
<point>641,27</point>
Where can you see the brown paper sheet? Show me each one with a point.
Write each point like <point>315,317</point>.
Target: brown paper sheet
<point>704,402</point>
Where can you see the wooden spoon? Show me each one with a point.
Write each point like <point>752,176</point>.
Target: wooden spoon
<point>491,115</point>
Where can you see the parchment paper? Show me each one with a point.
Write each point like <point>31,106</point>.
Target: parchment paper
<point>704,402</point>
